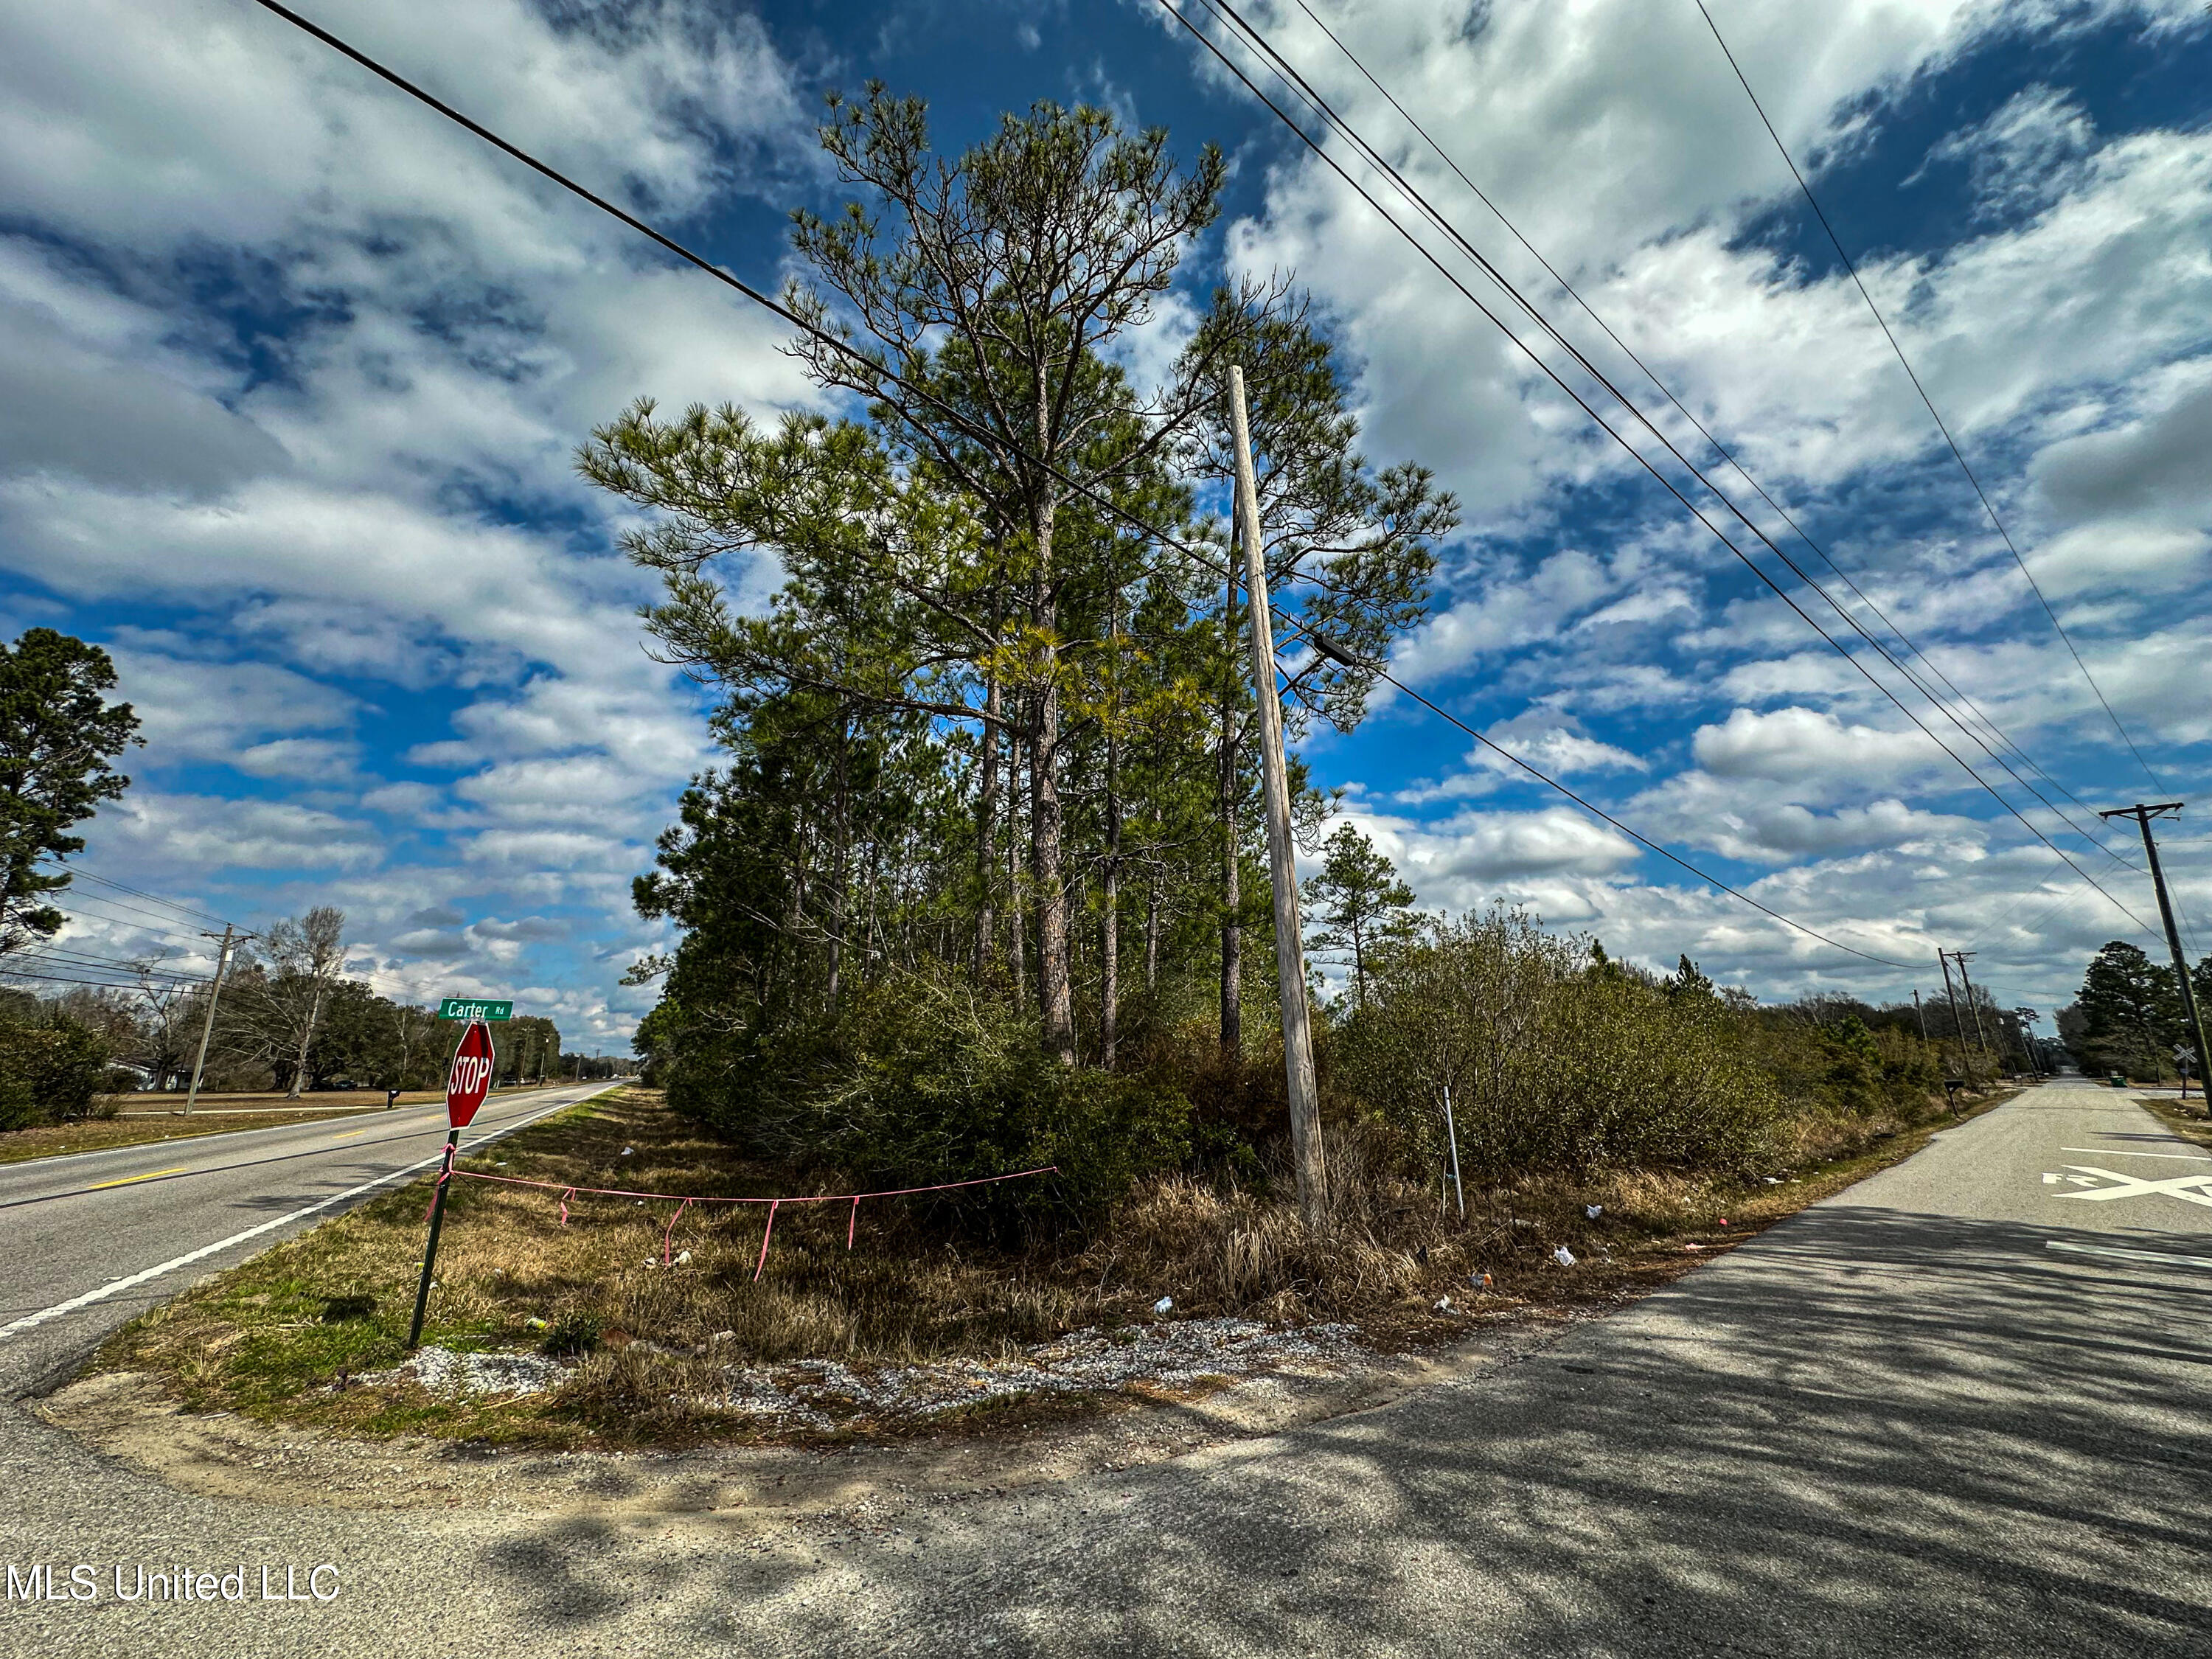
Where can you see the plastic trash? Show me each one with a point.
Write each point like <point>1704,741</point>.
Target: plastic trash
<point>535,1323</point>
<point>1480,1280</point>
<point>1163,1306</point>
<point>1593,1211</point>
<point>1772,1181</point>
<point>627,1150</point>
<point>1444,1304</point>
<point>1563,1256</point>
<point>684,1258</point>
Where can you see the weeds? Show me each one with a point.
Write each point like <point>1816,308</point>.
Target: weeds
<point>287,1336</point>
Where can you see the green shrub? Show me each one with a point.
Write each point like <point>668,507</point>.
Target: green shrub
<point>51,1070</point>
<point>1551,1063</point>
<point>921,1080</point>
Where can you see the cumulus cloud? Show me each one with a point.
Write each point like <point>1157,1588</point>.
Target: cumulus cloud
<point>1795,744</point>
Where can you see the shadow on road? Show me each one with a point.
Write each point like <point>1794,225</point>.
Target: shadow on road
<point>1870,1433</point>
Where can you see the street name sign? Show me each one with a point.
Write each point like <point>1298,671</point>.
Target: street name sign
<point>474,1008</point>
<point>471,1077</point>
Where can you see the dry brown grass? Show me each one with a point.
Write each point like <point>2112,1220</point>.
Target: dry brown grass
<point>283,1336</point>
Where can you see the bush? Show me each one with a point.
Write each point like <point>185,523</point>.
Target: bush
<point>51,1070</point>
<point>1552,1063</point>
<point>922,1081</point>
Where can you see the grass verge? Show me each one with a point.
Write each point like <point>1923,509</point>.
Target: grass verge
<point>290,1336</point>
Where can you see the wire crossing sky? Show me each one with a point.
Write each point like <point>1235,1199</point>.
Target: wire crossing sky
<point>294,372</point>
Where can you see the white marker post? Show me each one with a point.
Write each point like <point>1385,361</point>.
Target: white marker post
<point>1451,1138</point>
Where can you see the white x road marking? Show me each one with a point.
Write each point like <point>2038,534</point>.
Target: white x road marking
<point>2190,1189</point>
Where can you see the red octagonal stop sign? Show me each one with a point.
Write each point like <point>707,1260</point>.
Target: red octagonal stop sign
<point>466,1084</point>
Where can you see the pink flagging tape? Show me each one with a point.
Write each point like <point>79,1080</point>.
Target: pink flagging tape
<point>761,1265</point>
<point>669,1237</point>
<point>683,1203</point>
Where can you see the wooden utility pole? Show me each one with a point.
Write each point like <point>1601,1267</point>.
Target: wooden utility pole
<point>1981,1039</point>
<point>2142,815</point>
<point>207,1026</point>
<point>1921,1011</point>
<point>1957,1031</point>
<point>1290,943</point>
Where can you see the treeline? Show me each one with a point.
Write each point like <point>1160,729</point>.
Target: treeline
<point>2128,1019</point>
<point>972,887</point>
<point>995,729</point>
<point>288,1020</point>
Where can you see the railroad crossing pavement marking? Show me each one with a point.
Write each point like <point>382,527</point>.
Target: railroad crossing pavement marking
<point>2123,1255</point>
<point>151,1174</point>
<point>2189,1189</point>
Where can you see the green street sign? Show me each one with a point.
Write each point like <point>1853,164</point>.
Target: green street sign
<point>473,1008</point>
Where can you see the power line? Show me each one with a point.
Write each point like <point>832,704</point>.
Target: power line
<point>1600,812</point>
<point>1289,74</point>
<point>1732,460</point>
<point>171,904</point>
<point>88,962</point>
<point>1957,454</point>
<point>889,376</point>
<point>80,905</point>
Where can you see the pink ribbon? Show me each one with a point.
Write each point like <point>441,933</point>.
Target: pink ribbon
<point>761,1264</point>
<point>683,1203</point>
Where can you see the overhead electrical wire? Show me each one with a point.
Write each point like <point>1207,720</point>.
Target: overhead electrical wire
<point>1729,456</point>
<point>728,279</point>
<point>1958,454</point>
<point>136,892</point>
<point>82,904</point>
<point>1233,22</point>
<point>85,962</point>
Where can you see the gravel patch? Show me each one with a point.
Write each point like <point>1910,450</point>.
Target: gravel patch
<point>823,1392</point>
<point>441,1371</point>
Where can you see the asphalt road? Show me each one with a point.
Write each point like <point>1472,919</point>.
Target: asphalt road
<point>93,1239</point>
<point>1958,1410</point>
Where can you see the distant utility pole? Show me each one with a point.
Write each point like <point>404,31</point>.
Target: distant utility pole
<point>1921,1011</point>
<point>1981,1039</point>
<point>1290,945</point>
<point>207,1026</point>
<point>1958,1028</point>
<point>2142,815</point>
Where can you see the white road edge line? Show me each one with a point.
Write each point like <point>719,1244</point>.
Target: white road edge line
<point>2119,1254</point>
<point>107,1290</point>
<point>2114,1151</point>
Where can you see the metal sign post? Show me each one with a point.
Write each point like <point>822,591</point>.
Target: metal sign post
<point>466,1085</point>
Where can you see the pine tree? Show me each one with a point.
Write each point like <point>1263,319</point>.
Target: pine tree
<point>56,737</point>
<point>2130,1012</point>
<point>1357,901</point>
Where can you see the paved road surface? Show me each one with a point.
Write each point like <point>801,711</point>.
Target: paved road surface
<point>100,1229</point>
<point>1901,1424</point>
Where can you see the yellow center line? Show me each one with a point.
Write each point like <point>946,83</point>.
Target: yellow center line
<point>151,1174</point>
<point>350,1134</point>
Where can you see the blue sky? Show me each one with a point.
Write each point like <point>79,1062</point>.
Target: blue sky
<point>291,375</point>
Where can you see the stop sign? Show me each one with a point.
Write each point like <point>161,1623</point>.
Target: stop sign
<point>466,1084</point>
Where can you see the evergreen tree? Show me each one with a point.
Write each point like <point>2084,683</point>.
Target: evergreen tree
<point>1358,902</point>
<point>2130,1013</point>
<point>58,736</point>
